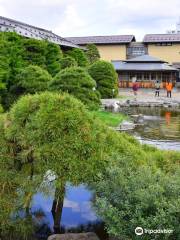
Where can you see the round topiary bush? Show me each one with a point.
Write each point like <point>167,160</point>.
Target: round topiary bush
<point>56,132</point>
<point>33,79</point>
<point>78,82</point>
<point>79,56</point>
<point>106,78</point>
<point>68,61</point>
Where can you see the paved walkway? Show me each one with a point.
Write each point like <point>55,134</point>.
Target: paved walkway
<point>145,97</point>
<point>148,95</point>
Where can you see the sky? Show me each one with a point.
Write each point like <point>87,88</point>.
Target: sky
<point>95,17</point>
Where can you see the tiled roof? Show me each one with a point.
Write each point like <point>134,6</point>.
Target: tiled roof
<point>124,66</point>
<point>158,38</point>
<point>29,31</point>
<point>145,59</point>
<point>102,39</point>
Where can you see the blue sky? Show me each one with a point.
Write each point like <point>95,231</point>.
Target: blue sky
<point>96,17</point>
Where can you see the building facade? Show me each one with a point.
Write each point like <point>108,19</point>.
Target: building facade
<point>111,48</point>
<point>164,47</point>
<point>146,70</point>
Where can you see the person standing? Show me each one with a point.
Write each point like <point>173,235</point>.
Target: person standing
<point>157,88</point>
<point>135,87</point>
<point>169,88</point>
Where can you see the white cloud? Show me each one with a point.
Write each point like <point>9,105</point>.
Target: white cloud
<point>92,17</point>
<point>71,21</point>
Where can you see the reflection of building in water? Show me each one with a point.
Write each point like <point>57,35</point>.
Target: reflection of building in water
<point>168,117</point>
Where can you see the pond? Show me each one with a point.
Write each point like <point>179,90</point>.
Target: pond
<point>160,127</point>
<point>77,213</point>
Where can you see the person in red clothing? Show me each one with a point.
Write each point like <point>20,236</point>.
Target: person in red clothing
<point>135,87</point>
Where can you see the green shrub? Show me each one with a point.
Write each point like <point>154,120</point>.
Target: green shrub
<point>35,52</point>
<point>32,79</point>
<point>67,62</point>
<point>56,132</point>
<point>106,78</point>
<point>53,57</point>
<point>79,56</point>
<point>77,81</point>
<point>92,53</point>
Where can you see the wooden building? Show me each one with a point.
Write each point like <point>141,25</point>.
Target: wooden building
<point>146,70</point>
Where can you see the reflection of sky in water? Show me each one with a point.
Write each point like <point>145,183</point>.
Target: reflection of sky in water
<point>76,209</point>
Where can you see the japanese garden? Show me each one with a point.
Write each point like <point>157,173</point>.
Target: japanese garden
<point>55,133</point>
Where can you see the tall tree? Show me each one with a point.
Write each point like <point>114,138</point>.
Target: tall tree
<point>52,132</point>
<point>92,53</point>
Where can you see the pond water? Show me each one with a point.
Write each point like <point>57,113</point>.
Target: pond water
<point>78,214</point>
<point>160,127</point>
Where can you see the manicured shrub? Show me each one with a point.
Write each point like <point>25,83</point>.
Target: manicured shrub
<point>106,78</point>
<point>92,53</point>
<point>78,82</point>
<point>67,62</point>
<point>79,56</point>
<point>35,51</point>
<point>56,132</point>
<point>32,79</point>
<point>53,57</point>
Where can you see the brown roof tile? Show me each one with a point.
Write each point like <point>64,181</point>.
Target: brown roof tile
<point>102,39</point>
<point>158,38</point>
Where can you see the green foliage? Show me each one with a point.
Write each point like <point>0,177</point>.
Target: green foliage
<point>92,53</point>
<point>53,58</point>
<point>145,195</point>
<point>32,79</point>
<point>79,56</point>
<point>67,62</point>
<point>109,118</point>
<point>106,78</point>
<point>77,81</point>
<point>56,132</point>
<point>16,53</point>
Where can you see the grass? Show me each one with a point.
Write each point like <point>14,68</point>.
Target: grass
<point>109,118</point>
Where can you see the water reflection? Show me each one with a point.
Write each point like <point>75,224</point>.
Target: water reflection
<point>37,221</point>
<point>77,207</point>
<point>161,127</point>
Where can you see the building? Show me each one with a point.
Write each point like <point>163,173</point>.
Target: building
<point>119,49</point>
<point>29,31</point>
<point>146,70</point>
<point>163,46</point>
<point>110,47</point>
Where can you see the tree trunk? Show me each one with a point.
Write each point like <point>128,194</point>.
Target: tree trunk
<point>57,207</point>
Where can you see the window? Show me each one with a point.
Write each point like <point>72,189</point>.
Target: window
<point>146,76</point>
<point>153,76</point>
<point>164,44</point>
<point>139,76</point>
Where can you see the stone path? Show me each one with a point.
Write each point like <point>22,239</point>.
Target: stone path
<point>149,94</point>
<point>144,98</point>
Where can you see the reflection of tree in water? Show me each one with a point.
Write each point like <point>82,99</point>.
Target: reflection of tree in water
<point>41,133</point>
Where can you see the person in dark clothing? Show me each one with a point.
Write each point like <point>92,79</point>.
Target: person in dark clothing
<point>157,88</point>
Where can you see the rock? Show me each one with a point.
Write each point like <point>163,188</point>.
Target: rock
<point>125,126</point>
<point>74,236</point>
<point>138,118</point>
